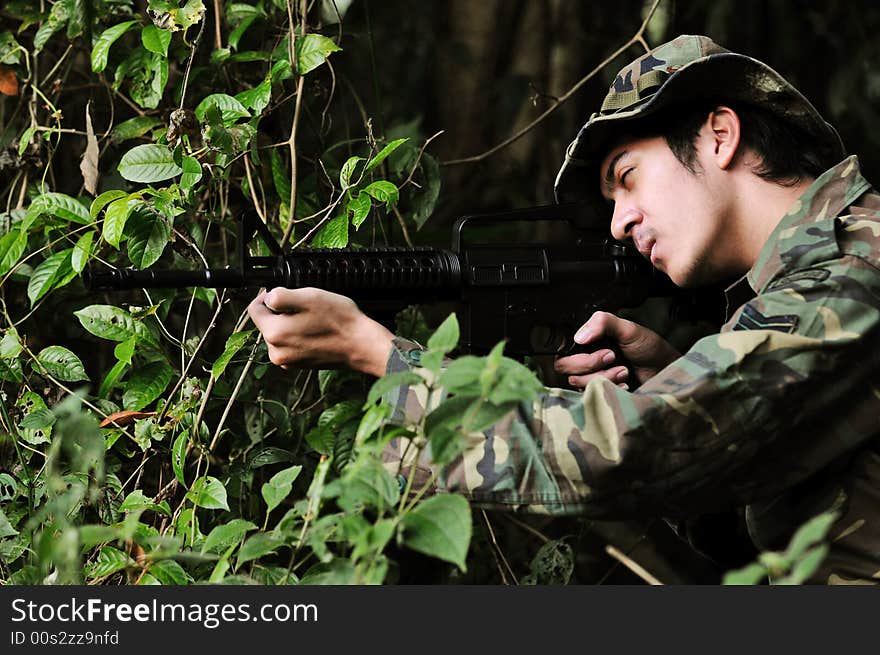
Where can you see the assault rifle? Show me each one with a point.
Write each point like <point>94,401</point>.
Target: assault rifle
<point>536,277</point>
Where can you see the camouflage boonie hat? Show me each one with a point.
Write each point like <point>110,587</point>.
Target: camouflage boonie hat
<point>685,69</point>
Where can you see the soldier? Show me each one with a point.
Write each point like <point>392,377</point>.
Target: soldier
<point>717,168</point>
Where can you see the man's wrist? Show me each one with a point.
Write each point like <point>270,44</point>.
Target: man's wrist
<point>372,347</point>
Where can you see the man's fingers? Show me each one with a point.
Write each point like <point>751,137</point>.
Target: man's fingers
<point>618,375</point>
<point>584,362</point>
<point>288,301</point>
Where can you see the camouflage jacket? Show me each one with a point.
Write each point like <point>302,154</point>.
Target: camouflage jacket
<point>778,413</point>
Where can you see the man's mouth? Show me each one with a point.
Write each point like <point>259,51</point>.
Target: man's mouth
<point>646,249</point>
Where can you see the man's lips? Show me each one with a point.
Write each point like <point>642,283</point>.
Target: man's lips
<point>646,249</point>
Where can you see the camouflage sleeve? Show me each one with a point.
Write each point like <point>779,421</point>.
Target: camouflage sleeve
<point>788,374</point>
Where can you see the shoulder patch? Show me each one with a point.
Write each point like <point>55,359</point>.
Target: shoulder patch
<point>752,319</point>
<point>806,275</point>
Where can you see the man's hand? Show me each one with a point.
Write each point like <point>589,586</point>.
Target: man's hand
<point>645,350</point>
<point>312,328</point>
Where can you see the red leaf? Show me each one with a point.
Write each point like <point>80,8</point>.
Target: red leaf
<point>8,81</point>
<point>121,419</point>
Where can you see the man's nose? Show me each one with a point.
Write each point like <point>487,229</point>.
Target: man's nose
<point>623,221</point>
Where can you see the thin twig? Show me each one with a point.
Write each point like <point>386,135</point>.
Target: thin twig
<point>525,526</point>
<point>257,205</point>
<point>637,38</point>
<point>497,548</point>
<point>632,565</point>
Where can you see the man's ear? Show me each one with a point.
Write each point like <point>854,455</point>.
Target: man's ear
<point>725,130</point>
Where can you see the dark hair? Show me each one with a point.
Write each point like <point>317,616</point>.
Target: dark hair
<point>787,154</point>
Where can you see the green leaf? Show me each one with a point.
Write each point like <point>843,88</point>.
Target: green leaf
<point>273,495</point>
<point>440,527</point>
<point>45,32</point>
<point>82,251</point>
<point>462,376</point>
<point>111,379</point>
<point>347,170</point>
<point>514,383</point>
<point>230,108</point>
<point>133,128</point>
<point>445,338</point>
<point>12,247</point>
<point>155,39</point>
<point>425,200</point>
<point>806,566</point>
<point>359,206</point>
<point>234,343</point>
<point>383,191</point>
<point>312,50</point>
<point>373,419</point>
<point>113,323</point>
<point>178,455</point>
<point>6,529</point>
<point>383,154</point>
<point>286,477</point>
<point>148,234</point>
<point>62,364</point>
<point>115,219</point>
<point>257,98</point>
<point>10,50</point>
<point>62,206</point>
<point>38,419</point>
<point>811,533</point>
<point>146,384</point>
<point>321,439</point>
<point>148,163</point>
<point>268,455</point>
<point>136,500</point>
<point>101,49</point>
<point>258,545</point>
<point>208,492</point>
<point>92,535</point>
<point>224,536</point>
<point>124,350</point>
<point>25,140</point>
<point>103,200</point>
<point>192,172</point>
<point>748,575</point>
<point>110,560</point>
<point>280,177</point>
<point>279,486</point>
<point>390,382</point>
<point>168,572</point>
<point>33,403</point>
<point>8,484</point>
<point>367,483</point>
<point>49,274</point>
<point>333,235</point>
<point>10,344</point>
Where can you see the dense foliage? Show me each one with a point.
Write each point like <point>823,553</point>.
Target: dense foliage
<point>145,436</point>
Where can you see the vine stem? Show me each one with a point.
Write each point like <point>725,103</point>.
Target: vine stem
<point>636,38</point>
<point>300,85</point>
<point>218,39</point>
<point>192,360</point>
<point>192,55</point>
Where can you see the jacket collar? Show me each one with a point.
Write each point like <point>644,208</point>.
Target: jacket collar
<point>806,234</point>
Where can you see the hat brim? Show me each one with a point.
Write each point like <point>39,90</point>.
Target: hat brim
<point>724,76</point>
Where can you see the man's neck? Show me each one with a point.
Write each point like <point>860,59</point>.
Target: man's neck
<point>761,206</point>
